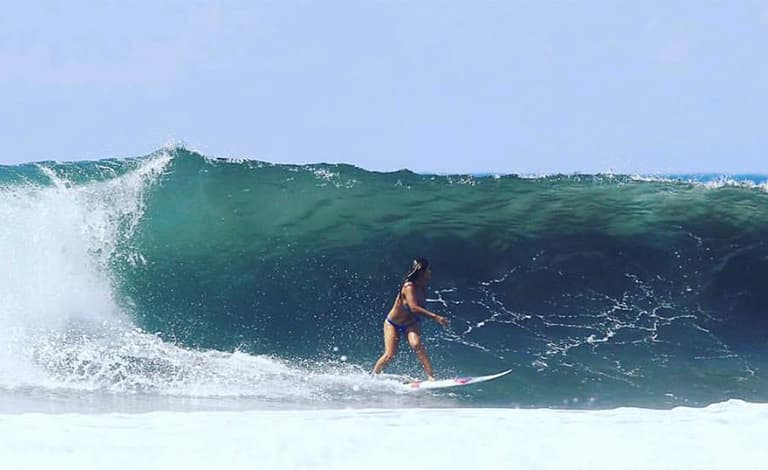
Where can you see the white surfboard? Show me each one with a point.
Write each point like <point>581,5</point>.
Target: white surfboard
<point>456,382</point>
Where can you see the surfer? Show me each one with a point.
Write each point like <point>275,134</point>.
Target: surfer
<point>405,317</point>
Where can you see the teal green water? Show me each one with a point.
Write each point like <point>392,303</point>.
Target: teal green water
<point>610,289</point>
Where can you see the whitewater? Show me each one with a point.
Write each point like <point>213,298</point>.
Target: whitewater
<point>180,310</point>
<point>728,435</point>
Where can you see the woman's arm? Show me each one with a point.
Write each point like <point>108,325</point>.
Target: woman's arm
<point>413,304</point>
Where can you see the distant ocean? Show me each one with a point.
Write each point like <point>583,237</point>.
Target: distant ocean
<point>141,296</point>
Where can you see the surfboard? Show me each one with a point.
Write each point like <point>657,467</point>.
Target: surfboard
<point>455,382</point>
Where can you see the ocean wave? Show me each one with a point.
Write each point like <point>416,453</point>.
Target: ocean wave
<point>622,289</point>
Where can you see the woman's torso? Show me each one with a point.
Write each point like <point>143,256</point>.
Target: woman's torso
<point>400,312</point>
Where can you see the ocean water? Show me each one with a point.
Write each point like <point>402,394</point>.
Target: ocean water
<point>152,303</point>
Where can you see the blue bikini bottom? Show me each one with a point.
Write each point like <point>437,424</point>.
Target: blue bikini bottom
<point>404,327</point>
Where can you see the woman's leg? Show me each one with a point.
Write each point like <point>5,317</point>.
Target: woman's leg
<point>414,339</point>
<point>391,338</point>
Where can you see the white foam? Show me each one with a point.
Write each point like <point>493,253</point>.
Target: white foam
<point>57,243</point>
<point>63,327</point>
<point>722,181</point>
<point>722,436</point>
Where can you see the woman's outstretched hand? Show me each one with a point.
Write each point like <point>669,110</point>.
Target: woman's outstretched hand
<point>443,321</point>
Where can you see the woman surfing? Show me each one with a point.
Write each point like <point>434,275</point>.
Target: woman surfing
<point>405,317</point>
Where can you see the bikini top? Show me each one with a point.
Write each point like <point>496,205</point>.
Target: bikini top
<point>403,302</point>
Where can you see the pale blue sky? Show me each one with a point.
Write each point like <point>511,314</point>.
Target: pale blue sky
<point>510,87</point>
